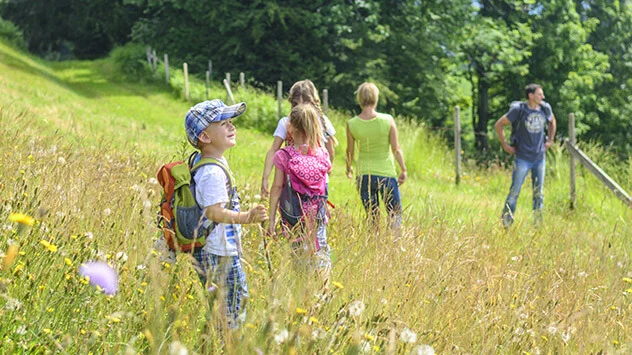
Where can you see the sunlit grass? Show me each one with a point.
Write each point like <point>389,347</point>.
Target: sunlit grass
<point>78,158</point>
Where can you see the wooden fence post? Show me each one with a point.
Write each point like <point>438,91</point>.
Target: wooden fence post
<point>457,143</point>
<point>186,81</point>
<point>325,101</point>
<point>571,134</point>
<point>229,92</point>
<point>228,78</point>
<point>208,84</point>
<point>280,95</point>
<point>242,80</point>
<point>167,68</point>
<point>155,59</point>
<point>149,56</point>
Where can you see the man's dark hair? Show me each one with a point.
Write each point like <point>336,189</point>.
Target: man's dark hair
<point>530,89</point>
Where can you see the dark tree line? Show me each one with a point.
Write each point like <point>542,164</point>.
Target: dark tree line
<point>426,55</point>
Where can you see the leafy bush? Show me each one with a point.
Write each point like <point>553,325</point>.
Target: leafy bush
<point>130,61</point>
<point>12,33</point>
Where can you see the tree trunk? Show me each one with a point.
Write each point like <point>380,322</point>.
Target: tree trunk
<point>480,131</point>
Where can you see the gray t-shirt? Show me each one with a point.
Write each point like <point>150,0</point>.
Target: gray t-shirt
<point>528,129</point>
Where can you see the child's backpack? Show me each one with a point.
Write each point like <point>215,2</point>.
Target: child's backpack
<point>304,186</point>
<point>180,216</point>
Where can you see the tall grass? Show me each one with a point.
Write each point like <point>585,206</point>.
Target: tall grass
<point>454,280</point>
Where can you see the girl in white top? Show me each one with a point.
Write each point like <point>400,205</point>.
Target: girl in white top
<point>302,92</point>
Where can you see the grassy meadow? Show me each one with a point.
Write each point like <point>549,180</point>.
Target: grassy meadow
<point>79,151</point>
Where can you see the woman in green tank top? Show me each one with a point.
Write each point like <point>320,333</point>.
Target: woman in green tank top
<point>375,136</point>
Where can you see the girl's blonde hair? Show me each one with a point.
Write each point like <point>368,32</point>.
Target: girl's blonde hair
<point>304,92</point>
<point>305,120</point>
<point>368,94</point>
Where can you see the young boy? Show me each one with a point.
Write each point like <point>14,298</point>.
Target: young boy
<point>209,128</point>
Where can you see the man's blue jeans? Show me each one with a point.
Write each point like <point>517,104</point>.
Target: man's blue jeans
<point>520,170</point>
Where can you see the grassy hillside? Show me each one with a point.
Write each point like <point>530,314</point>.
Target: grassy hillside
<point>78,153</point>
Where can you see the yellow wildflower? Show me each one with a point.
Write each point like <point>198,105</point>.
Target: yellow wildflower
<point>22,219</point>
<point>313,319</point>
<point>51,247</point>
<point>68,261</point>
<point>12,252</point>
<point>337,284</point>
<point>369,337</point>
<point>301,310</point>
<point>627,279</point>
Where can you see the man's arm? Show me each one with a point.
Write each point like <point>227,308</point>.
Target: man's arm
<point>552,127</point>
<point>502,122</point>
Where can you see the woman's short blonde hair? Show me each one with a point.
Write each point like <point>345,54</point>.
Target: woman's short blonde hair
<point>368,94</point>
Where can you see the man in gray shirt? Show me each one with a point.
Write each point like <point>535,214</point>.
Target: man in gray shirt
<point>529,143</point>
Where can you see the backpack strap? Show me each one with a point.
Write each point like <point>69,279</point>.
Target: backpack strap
<point>230,180</point>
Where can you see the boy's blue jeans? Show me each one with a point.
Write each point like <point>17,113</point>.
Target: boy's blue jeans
<point>371,187</point>
<point>520,170</point>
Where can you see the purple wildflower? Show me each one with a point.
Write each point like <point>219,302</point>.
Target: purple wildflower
<point>102,275</point>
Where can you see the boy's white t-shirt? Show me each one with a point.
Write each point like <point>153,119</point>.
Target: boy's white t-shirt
<point>281,130</point>
<point>210,189</point>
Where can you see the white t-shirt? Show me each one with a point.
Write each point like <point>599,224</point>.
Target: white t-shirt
<point>210,188</point>
<point>281,130</point>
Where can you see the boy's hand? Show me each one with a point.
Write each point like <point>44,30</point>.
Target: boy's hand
<point>259,213</point>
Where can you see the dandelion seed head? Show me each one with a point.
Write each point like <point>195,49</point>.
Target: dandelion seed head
<point>177,348</point>
<point>356,308</point>
<point>282,336</point>
<point>408,336</point>
<point>423,350</point>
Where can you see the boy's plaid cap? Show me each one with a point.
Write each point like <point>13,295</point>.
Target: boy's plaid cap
<point>201,115</point>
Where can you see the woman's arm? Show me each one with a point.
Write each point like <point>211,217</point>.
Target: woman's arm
<point>267,167</point>
<point>275,194</point>
<point>350,152</point>
<point>397,153</point>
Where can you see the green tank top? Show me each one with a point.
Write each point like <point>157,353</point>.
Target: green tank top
<point>372,138</point>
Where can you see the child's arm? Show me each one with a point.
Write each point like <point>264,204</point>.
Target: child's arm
<point>219,214</point>
<point>267,167</point>
<point>275,194</point>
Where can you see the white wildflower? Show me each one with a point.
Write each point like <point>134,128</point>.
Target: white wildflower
<point>7,227</point>
<point>566,336</point>
<point>21,330</point>
<point>408,336</point>
<point>89,235</point>
<point>177,348</point>
<point>582,274</point>
<point>552,329</point>
<point>318,334</point>
<point>152,181</point>
<point>147,204</point>
<point>281,336</point>
<point>365,347</point>
<point>136,188</point>
<point>121,256</point>
<point>423,350</point>
<point>257,197</point>
<point>107,211</point>
<point>141,267</point>
<point>519,331</point>
<point>13,304</point>
<point>61,160</point>
<point>516,258</point>
<point>384,301</point>
<point>52,150</point>
<point>356,308</point>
